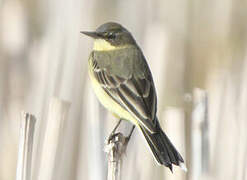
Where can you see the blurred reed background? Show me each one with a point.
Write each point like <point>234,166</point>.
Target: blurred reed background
<point>197,51</point>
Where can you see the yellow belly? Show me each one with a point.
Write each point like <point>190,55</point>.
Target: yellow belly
<point>108,102</point>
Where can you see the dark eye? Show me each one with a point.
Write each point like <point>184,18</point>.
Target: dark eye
<point>111,35</point>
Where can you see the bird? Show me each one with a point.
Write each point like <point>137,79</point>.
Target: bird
<point>123,83</point>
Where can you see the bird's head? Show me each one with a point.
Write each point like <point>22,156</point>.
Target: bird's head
<point>110,36</point>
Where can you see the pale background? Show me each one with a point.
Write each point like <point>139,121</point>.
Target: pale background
<point>197,52</point>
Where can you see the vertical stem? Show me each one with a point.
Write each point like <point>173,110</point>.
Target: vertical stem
<point>52,144</point>
<point>199,139</point>
<point>113,164</point>
<point>115,148</point>
<point>25,147</point>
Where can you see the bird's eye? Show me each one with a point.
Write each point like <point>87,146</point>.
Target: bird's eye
<point>111,35</point>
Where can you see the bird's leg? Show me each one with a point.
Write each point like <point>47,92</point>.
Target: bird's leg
<point>131,132</point>
<point>128,137</point>
<point>118,140</point>
<point>114,130</point>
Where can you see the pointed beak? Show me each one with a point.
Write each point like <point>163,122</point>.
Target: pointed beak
<point>91,34</point>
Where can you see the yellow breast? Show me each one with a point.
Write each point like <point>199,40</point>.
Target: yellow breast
<point>107,101</point>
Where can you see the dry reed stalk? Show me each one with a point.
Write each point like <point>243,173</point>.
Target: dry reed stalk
<point>25,146</point>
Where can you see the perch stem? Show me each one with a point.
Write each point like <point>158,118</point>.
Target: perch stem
<point>25,147</point>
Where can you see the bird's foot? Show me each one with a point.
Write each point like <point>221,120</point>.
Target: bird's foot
<point>114,137</point>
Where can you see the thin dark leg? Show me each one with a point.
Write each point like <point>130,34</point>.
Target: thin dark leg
<point>131,132</point>
<point>112,135</point>
<point>115,128</point>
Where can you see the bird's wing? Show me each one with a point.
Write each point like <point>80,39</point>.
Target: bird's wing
<point>128,81</point>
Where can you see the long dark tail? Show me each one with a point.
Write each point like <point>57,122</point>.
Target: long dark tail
<point>163,150</point>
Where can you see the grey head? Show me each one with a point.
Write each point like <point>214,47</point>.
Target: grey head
<point>113,33</point>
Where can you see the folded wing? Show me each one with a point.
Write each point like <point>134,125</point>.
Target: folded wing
<point>135,92</point>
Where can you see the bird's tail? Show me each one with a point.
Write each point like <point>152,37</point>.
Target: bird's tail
<point>163,150</point>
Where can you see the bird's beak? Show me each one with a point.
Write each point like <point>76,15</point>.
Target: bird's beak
<point>91,34</point>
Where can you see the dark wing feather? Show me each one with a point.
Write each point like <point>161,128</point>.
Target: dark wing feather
<point>135,92</point>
